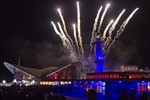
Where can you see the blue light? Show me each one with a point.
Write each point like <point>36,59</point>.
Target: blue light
<point>103,93</point>
<point>143,81</point>
<point>138,83</point>
<point>119,81</point>
<point>99,67</point>
<point>98,56</point>
<point>104,83</point>
<point>99,81</point>
<point>103,88</point>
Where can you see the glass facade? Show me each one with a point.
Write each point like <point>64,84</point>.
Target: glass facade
<point>108,89</point>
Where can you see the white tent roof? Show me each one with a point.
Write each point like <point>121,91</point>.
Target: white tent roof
<point>38,73</point>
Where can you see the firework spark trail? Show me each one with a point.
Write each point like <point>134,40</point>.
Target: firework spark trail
<point>102,18</point>
<point>79,29</point>
<point>58,33</point>
<point>109,38</point>
<point>68,43</point>
<point>95,24</point>
<point>122,27</point>
<point>62,32</point>
<point>114,24</point>
<point>68,46</point>
<point>126,22</point>
<point>75,37</point>
<point>106,29</point>
<point>64,27</point>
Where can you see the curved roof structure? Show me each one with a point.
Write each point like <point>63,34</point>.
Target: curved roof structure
<point>40,73</point>
<point>37,73</point>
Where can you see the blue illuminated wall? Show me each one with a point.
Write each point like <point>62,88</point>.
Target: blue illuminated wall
<point>98,56</point>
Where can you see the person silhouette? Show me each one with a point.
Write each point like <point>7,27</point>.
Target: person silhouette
<point>123,96</point>
<point>132,95</point>
<point>56,97</point>
<point>143,96</point>
<point>91,94</point>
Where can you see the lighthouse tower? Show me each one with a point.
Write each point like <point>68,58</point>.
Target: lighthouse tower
<point>97,54</point>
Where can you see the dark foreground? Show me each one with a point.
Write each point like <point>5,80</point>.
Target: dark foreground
<point>37,92</point>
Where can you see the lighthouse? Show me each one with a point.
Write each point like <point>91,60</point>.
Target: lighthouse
<point>97,54</point>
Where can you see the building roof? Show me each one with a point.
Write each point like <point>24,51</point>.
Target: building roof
<point>40,73</point>
<point>37,73</point>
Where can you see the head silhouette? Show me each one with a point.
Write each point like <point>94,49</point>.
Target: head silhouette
<point>91,94</point>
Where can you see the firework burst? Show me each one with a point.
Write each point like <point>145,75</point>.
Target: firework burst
<point>77,51</point>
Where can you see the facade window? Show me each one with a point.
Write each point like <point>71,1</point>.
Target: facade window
<point>141,86</point>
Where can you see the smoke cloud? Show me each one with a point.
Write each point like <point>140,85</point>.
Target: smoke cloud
<point>121,54</point>
<point>41,54</point>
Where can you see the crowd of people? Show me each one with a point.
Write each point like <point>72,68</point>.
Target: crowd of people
<point>35,92</point>
<point>21,93</point>
<point>132,96</point>
<point>32,92</point>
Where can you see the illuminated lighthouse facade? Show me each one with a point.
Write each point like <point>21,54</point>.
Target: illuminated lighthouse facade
<point>98,55</point>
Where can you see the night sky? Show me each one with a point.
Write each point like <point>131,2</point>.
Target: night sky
<point>26,32</point>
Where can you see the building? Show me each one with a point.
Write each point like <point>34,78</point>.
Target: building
<point>72,77</point>
<point>20,73</point>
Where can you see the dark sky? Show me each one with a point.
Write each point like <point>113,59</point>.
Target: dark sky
<point>26,31</point>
